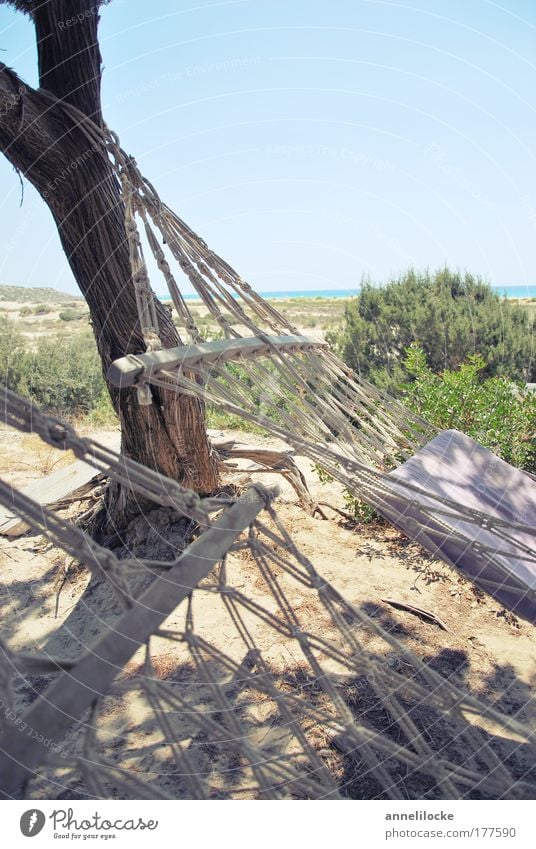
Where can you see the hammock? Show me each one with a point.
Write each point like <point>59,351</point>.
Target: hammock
<point>295,388</point>
<point>285,691</point>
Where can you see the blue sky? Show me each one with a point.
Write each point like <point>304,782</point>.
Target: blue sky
<point>313,142</point>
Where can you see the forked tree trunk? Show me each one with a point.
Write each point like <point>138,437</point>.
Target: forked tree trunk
<point>82,192</point>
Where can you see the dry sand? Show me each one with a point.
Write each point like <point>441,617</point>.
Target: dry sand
<point>484,650</point>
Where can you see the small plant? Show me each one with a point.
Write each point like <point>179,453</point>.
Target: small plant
<point>323,476</point>
<point>359,510</point>
<point>362,512</point>
<point>44,459</point>
<point>12,354</point>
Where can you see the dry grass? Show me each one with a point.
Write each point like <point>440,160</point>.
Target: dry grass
<point>26,456</point>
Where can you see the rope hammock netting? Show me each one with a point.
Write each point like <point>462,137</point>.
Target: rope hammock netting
<point>236,720</point>
<point>456,499</point>
<point>261,701</point>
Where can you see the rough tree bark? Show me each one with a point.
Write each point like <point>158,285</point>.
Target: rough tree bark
<point>82,192</point>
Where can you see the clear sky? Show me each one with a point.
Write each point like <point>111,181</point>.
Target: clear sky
<point>311,142</point>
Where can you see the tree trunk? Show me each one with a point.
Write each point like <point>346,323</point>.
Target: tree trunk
<point>79,186</point>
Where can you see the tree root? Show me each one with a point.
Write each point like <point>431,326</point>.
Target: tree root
<point>269,460</point>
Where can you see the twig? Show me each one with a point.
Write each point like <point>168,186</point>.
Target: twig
<point>417,611</point>
<point>342,513</point>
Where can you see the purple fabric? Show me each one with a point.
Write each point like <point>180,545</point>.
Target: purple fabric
<point>454,466</point>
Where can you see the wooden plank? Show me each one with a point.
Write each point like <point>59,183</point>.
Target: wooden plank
<point>53,488</point>
<point>65,701</point>
<point>127,371</point>
<point>47,490</point>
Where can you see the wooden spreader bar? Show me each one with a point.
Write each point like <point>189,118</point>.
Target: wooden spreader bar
<point>135,368</point>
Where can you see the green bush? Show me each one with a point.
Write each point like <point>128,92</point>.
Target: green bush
<point>12,354</point>
<point>40,309</point>
<point>450,315</point>
<point>359,510</point>
<point>64,375</point>
<point>71,315</point>
<point>218,418</point>
<point>493,411</point>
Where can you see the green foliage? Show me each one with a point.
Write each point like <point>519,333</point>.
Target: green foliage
<point>71,315</point>
<point>40,309</point>
<point>63,375</point>
<point>493,411</point>
<point>218,418</point>
<point>101,413</point>
<point>323,476</point>
<point>12,354</point>
<point>359,510</point>
<point>450,315</point>
<point>267,403</point>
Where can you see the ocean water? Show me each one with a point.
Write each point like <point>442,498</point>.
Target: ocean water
<point>504,291</point>
<point>516,291</point>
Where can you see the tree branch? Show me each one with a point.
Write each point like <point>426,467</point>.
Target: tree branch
<point>31,131</point>
<point>68,53</point>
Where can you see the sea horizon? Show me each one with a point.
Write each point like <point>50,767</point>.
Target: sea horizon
<point>513,291</point>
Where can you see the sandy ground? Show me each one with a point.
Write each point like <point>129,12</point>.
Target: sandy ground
<point>484,649</point>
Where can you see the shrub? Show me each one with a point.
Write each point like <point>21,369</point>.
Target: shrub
<point>63,375</point>
<point>71,315</point>
<point>40,309</point>
<point>12,355</point>
<point>218,418</point>
<point>450,315</point>
<point>493,411</point>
